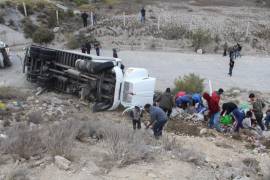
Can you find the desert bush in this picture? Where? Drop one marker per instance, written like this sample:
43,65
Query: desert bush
23,141
43,35
252,164
60,138
12,93
191,83
169,143
87,7
28,27
17,173
173,32
200,39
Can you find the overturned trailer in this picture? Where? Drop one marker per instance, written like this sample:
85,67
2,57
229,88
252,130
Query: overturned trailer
100,80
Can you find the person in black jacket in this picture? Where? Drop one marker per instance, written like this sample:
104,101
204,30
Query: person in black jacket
97,47
84,16
83,48
143,15
231,65
115,53
88,47
227,108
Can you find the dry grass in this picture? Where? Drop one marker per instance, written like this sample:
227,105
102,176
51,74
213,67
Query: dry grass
60,138
23,141
190,83
17,173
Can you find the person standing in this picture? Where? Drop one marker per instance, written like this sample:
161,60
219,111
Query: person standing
225,48
257,109
231,65
158,118
214,113
166,102
115,53
84,16
88,47
136,115
83,48
143,15
97,47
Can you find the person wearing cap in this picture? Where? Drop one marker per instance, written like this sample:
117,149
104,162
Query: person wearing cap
166,102
216,95
136,115
158,118
257,109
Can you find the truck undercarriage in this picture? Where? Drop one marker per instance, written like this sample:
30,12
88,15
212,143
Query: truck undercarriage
73,73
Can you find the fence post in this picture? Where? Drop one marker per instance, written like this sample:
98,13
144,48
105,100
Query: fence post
57,18
190,23
92,18
24,8
158,23
124,17
247,31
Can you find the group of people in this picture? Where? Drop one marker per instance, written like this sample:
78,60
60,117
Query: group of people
234,52
229,117
86,47
85,16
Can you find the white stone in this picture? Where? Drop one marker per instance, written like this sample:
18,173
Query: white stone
199,51
62,163
203,131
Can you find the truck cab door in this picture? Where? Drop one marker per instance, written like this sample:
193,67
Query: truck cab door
137,88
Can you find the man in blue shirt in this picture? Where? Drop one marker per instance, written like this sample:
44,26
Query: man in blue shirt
158,116
183,101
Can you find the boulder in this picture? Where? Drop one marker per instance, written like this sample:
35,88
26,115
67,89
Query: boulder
203,131
62,163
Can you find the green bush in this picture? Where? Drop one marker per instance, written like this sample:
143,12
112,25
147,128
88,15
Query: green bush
191,83
200,39
28,27
43,35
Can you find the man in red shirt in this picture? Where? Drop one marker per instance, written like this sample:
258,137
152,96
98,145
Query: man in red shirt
214,113
216,94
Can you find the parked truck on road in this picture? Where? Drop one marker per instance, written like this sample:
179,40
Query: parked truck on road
100,80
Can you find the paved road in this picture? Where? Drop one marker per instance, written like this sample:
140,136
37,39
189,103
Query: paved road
250,72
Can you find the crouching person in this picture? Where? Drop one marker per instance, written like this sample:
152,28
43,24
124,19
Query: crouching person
158,118
238,116
136,115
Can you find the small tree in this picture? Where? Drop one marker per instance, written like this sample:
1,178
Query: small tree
200,39
191,83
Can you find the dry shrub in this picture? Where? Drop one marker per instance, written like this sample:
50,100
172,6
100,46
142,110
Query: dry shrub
191,83
17,173
12,93
252,164
60,138
126,146
173,32
263,33
23,141
75,41
2,19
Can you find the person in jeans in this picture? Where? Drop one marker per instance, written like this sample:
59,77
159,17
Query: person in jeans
158,118
166,102
136,115
239,116
143,15
214,113
267,118
257,109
